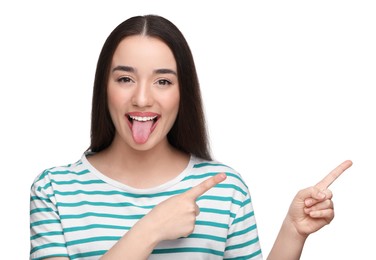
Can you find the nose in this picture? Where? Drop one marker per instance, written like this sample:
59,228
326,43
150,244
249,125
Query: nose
142,95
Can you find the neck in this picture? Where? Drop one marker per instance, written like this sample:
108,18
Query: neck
140,168
123,155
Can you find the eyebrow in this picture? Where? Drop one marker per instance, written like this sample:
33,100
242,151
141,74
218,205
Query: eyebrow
165,71
131,69
124,68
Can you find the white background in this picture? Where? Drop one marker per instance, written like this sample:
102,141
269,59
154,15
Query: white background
288,88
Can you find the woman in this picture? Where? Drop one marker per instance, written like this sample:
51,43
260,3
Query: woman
147,187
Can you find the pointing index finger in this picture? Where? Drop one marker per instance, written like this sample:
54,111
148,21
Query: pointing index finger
333,175
206,185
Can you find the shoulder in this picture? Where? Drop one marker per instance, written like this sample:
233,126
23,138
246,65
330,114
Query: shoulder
214,166
234,181
59,173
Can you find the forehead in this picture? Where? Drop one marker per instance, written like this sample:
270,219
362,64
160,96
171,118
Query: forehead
140,50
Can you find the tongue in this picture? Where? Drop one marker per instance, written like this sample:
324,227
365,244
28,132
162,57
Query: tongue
141,131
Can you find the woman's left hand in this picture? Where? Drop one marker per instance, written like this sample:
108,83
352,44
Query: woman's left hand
312,208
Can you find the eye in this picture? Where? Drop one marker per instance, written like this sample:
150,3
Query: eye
164,82
124,80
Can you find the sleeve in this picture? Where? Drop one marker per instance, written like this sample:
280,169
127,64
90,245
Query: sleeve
242,240
46,232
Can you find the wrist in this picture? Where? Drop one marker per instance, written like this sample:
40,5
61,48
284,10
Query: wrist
145,230
137,243
289,228
289,243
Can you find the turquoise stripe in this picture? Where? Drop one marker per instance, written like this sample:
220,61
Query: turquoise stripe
44,173
219,198
208,237
252,241
41,210
200,176
46,234
231,186
69,172
127,204
218,211
47,246
70,182
50,195
78,182
49,256
44,187
101,215
33,198
187,250
246,202
258,252
43,222
242,232
100,204
126,194
50,171
93,239
209,174
250,214
93,226
211,224
88,254
199,165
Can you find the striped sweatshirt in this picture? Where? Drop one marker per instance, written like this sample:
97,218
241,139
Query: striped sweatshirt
80,213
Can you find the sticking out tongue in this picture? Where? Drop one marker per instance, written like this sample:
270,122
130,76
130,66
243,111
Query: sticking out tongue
141,131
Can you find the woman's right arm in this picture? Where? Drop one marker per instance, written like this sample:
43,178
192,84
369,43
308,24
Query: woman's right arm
137,243
171,219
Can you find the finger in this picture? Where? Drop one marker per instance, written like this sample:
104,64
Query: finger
326,214
333,175
318,196
206,185
326,204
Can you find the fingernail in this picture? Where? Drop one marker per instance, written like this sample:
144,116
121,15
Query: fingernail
222,176
308,202
321,195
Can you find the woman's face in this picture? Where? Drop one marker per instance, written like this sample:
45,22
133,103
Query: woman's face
143,92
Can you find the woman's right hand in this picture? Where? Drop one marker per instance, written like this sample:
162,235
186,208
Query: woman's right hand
176,216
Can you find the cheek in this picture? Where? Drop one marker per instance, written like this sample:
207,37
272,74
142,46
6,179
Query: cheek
173,103
115,99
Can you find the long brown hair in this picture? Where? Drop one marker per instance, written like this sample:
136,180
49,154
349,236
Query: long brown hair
189,133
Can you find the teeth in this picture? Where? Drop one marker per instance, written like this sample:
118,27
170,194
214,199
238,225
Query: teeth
143,118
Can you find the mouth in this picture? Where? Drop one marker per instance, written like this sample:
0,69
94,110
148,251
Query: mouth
142,125
132,118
